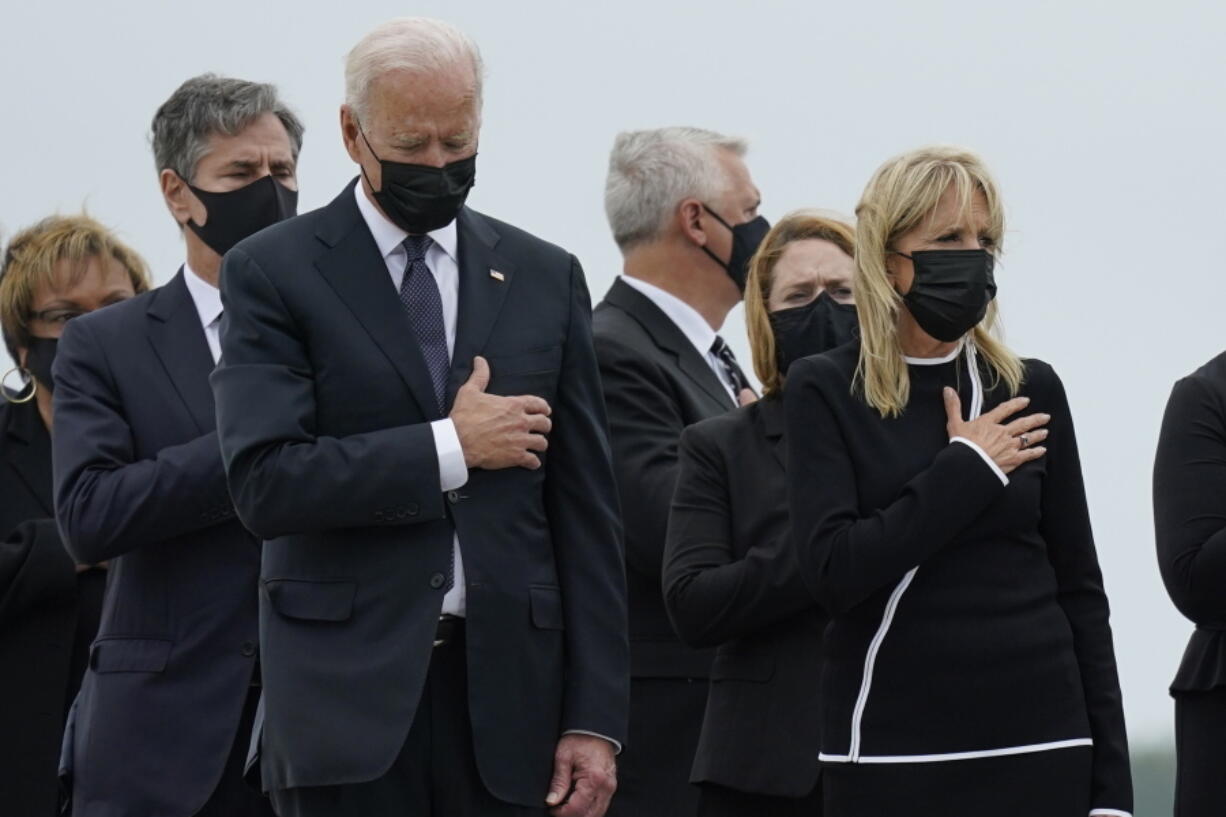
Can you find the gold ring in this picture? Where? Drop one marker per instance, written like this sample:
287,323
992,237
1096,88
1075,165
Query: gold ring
33,386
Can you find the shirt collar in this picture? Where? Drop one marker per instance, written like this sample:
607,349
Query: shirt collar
205,296
388,236
693,325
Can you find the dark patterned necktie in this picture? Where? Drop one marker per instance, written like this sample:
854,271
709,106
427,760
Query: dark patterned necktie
419,294
735,375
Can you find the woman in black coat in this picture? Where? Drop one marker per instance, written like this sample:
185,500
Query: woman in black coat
1190,523
969,666
730,573
49,607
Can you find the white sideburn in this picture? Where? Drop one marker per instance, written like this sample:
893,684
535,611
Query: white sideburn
887,617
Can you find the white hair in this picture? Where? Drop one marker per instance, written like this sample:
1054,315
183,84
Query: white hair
652,171
414,44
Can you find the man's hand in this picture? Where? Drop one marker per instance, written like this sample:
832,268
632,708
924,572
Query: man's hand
746,397
498,432
584,777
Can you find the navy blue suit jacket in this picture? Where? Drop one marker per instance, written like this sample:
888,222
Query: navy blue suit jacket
139,482
324,404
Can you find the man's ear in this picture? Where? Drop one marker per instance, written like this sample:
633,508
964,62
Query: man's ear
349,132
177,195
689,219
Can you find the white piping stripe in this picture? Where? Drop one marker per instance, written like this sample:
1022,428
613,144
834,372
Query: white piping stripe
940,758
870,658
984,455
1109,812
935,361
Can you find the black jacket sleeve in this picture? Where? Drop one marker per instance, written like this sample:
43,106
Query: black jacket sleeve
644,426
284,477
1190,501
35,570
107,500
711,595
848,553
585,524
1065,527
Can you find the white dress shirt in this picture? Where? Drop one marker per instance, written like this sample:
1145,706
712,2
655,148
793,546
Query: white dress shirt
693,325
441,259
207,299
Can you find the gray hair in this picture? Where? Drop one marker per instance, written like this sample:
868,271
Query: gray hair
210,104
413,44
652,171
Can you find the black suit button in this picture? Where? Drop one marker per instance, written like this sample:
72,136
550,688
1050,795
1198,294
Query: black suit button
437,580
248,649
453,497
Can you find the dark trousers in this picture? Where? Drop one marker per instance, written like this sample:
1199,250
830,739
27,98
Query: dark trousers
653,773
234,797
718,801
1200,736
435,774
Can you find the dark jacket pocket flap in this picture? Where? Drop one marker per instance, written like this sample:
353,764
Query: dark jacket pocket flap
537,360
312,600
743,666
546,603
130,654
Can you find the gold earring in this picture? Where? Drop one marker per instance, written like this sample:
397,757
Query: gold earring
33,386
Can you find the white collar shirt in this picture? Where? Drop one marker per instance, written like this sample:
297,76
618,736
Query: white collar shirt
207,299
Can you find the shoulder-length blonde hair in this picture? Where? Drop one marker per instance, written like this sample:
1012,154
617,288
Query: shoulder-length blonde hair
902,193
795,226
31,259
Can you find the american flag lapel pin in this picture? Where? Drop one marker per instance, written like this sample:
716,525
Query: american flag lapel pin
497,276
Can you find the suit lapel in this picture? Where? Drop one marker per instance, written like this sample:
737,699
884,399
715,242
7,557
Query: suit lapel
353,267
482,294
668,336
178,342
29,453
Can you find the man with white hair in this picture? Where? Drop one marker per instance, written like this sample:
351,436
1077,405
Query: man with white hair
410,415
684,212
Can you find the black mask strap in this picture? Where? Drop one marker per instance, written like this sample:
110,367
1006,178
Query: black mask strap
723,264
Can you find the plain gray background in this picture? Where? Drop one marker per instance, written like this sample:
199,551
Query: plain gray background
1103,121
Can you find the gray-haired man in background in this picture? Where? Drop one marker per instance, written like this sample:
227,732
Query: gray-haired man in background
162,723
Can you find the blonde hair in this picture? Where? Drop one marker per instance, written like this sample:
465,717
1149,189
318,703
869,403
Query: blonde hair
902,193
31,258
795,226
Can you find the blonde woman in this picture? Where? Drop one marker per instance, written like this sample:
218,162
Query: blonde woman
730,575
940,519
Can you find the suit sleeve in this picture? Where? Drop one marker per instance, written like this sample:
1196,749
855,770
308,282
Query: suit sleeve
1190,501
1065,527
108,500
584,519
711,595
35,570
285,477
848,553
645,426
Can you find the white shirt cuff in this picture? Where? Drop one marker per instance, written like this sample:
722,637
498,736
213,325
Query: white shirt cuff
991,462
617,747
1109,812
452,470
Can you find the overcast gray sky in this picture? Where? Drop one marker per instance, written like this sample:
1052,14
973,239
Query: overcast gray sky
1104,121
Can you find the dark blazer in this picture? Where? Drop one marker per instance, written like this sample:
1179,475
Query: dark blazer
324,405
655,384
47,614
1190,519
139,481
731,579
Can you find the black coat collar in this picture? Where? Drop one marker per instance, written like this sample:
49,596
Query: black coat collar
668,336
27,449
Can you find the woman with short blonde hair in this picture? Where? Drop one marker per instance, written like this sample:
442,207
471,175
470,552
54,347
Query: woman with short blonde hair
970,667
730,576
61,267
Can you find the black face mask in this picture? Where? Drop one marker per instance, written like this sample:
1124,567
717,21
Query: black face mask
818,326
40,354
746,238
243,212
951,290
419,198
